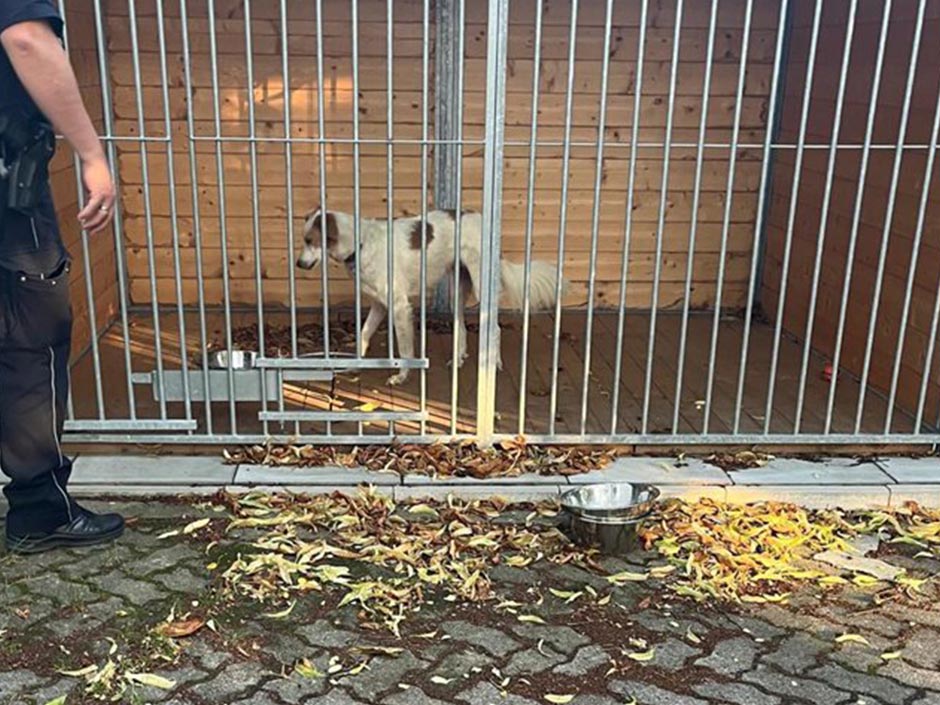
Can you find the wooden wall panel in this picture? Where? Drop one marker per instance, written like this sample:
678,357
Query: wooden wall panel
807,226
268,97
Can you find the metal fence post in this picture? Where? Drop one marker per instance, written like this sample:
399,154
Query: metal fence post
494,134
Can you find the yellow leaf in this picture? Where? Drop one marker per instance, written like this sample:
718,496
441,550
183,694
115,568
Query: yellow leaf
891,655
80,673
627,577
855,638
564,595
283,613
692,636
643,656
58,701
195,526
151,679
440,680
530,618
604,600
308,670
559,699
423,510
368,406
168,534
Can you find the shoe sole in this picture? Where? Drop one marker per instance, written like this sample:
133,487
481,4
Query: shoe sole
26,547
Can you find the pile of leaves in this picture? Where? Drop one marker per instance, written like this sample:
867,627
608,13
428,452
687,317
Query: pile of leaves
317,543
762,552
507,459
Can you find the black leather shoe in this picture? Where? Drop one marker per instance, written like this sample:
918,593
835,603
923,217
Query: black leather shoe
86,529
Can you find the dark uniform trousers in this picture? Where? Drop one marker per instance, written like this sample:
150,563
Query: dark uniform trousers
35,336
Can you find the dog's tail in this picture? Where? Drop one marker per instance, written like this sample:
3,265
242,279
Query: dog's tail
543,281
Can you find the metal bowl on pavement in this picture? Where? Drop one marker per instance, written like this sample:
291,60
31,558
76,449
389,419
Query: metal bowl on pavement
608,516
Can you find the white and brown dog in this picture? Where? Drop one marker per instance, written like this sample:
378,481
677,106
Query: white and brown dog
408,234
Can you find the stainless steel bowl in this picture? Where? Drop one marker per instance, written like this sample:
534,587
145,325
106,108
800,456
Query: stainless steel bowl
610,501
241,359
612,536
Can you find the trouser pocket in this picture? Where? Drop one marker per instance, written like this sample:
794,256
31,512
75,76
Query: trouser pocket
39,310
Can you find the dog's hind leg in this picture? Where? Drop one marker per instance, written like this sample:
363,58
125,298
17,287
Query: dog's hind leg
463,293
376,314
405,334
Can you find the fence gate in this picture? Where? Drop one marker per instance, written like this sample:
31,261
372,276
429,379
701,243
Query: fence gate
678,222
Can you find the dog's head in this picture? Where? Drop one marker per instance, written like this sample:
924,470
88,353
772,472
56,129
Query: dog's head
336,247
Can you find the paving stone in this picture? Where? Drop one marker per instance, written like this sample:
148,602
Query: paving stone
794,471
587,659
797,652
268,475
323,634
672,654
286,648
167,557
791,687
296,689
145,470
384,674
882,688
796,621
17,684
257,699
488,694
649,694
135,592
207,656
658,471
929,679
924,471
922,648
563,639
737,693
928,699
757,627
232,681
512,493
182,580
731,656
924,495
532,661
462,663
491,640
412,696
46,693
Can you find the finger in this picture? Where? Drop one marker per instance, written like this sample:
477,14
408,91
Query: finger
91,209
108,217
98,219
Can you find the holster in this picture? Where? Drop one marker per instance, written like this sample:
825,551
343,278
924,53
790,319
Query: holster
26,148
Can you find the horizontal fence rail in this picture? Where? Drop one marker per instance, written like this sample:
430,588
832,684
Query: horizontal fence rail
632,221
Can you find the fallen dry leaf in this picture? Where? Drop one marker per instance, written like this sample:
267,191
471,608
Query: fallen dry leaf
177,630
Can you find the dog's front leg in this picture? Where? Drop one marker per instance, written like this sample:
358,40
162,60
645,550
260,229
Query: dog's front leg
376,314
405,334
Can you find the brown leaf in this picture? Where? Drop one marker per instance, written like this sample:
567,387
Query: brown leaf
177,630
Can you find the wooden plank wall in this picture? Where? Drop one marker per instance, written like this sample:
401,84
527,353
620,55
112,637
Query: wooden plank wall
83,54
809,197
268,95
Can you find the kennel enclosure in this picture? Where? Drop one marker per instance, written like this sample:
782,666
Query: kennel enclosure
741,195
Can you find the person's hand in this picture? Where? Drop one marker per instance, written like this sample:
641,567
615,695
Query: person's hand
99,187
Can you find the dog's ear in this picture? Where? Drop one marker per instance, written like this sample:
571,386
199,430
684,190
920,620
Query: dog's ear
332,229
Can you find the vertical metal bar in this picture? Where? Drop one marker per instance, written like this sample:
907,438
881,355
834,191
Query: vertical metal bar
255,206
780,51
824,213
86,266
912,271
628,225
661,223
425,60
596,214
529,216
289,178
889,215
791,217
458,219
857,214
357,214
223,227
696,195
174,215
197,220
148,208
726,218
563,220
119,254
390,170
497,33
321,133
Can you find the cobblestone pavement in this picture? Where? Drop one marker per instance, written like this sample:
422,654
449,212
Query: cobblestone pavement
65,611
